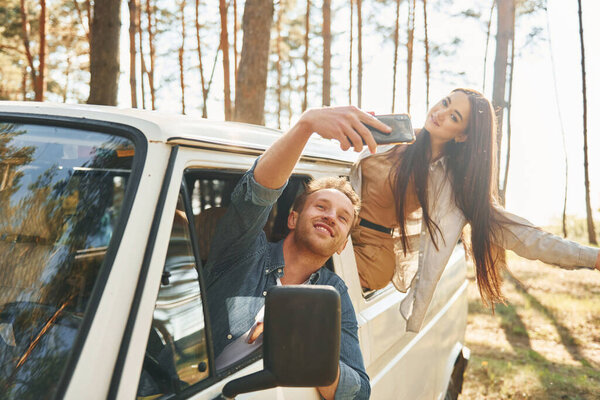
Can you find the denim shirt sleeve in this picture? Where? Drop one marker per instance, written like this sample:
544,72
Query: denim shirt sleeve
354,381
243,222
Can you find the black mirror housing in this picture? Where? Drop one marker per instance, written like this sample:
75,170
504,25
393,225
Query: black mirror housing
301,344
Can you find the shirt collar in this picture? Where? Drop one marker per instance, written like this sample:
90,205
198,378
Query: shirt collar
440,162
276,263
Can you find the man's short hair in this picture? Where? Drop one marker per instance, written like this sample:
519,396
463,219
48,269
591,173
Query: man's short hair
330,182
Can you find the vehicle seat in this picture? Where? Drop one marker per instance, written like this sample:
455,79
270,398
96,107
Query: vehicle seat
206,224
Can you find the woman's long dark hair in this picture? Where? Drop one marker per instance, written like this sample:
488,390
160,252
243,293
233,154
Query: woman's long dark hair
471,166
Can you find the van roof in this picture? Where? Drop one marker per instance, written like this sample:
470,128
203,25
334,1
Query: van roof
179,129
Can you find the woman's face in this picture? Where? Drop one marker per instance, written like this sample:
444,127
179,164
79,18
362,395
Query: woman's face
447,120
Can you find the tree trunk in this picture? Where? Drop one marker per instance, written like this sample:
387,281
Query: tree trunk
25,33
200,66
487,43
409,50
104,53
40,85
149,13
235,41
505,12
427,66
24,84
562,127
90,18
588,207
305,58
360,63
225,50
181,54
395,63
279,61
132,52
67,73
326,52
351,49
80,16
212,75
508,119
252,73
143,70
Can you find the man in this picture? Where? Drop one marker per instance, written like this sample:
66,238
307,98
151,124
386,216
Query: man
242,265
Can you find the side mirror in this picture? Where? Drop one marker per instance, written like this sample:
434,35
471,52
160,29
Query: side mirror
301,344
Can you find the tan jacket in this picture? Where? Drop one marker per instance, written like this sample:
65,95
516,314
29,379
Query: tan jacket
524,239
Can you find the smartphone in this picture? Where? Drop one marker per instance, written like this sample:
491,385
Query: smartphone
402,131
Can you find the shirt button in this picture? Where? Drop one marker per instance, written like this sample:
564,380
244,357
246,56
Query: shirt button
266,271
265,293
423,233
229,336
279,270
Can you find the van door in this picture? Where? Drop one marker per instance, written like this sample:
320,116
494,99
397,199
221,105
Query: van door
171,352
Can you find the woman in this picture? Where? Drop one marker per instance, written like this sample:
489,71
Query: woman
447,177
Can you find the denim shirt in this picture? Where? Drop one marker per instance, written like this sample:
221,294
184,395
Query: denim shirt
242,265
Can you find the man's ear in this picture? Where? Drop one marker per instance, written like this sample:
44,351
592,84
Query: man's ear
342,247
292,220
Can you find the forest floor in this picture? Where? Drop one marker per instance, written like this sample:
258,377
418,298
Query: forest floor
544,343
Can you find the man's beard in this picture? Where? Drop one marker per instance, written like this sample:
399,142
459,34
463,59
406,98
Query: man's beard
306,237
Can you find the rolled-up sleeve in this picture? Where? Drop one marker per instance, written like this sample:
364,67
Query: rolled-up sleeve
525,239
243,221
349,384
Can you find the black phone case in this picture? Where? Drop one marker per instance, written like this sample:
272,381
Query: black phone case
402,131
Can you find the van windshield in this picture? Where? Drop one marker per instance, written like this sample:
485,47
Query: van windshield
61,195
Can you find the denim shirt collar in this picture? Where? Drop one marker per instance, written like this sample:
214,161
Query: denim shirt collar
276,263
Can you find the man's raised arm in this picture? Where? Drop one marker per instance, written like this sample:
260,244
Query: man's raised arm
344,124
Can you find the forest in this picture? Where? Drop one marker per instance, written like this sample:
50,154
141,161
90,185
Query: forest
265,61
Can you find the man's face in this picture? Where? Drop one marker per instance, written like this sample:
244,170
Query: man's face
324,222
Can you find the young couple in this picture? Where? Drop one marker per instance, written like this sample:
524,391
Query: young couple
447,174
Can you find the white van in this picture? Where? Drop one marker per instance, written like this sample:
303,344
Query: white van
100,278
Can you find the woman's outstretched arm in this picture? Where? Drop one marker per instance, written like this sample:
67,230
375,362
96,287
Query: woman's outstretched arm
525,239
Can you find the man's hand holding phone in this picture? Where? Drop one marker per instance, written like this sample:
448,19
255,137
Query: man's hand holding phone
347,125
355,128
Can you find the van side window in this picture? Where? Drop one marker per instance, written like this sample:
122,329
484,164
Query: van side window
210,196
176,354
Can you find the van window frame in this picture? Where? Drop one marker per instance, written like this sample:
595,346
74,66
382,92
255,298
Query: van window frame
208,380
141,149
256,355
